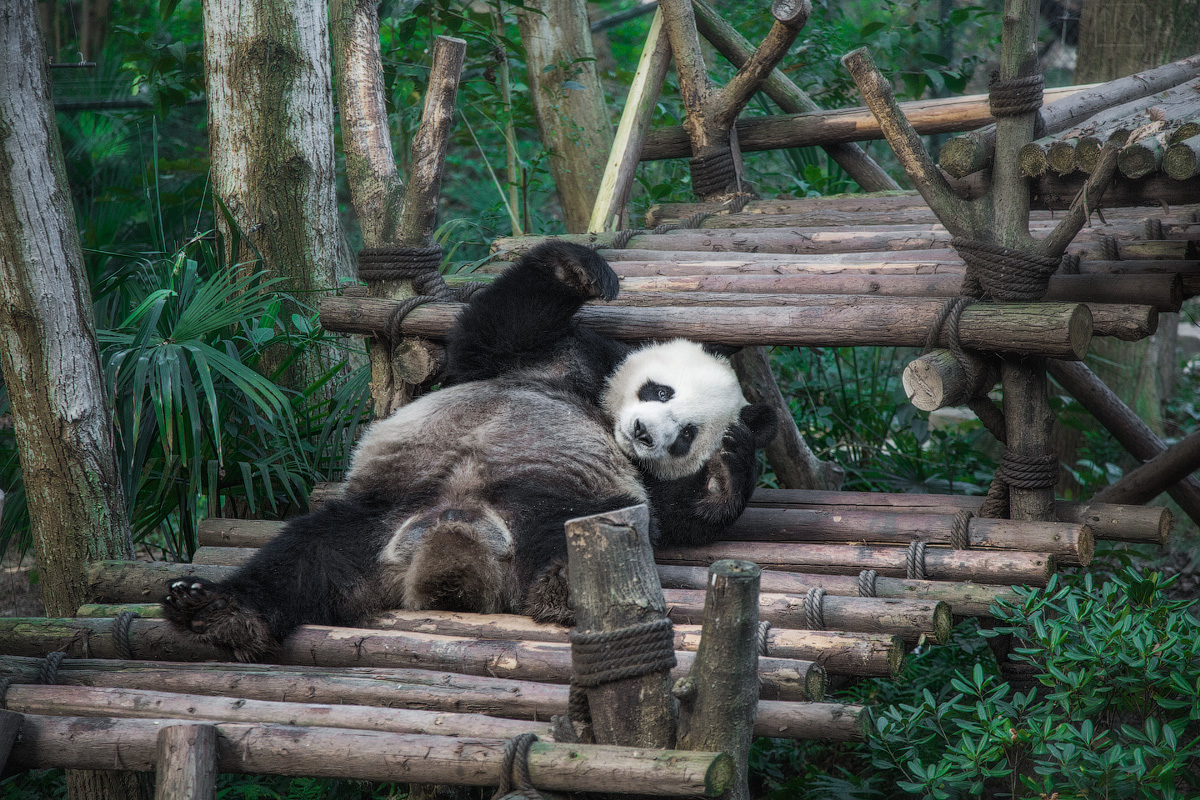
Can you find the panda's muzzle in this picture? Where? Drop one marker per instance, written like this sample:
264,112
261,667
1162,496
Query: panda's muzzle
641,434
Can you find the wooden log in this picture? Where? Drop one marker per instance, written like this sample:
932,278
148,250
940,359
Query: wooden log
1120,523
640,104
936,380
1138,159
327,646
1155,476
718,698
1058,330
1129,430
186,762
398,688
962,155
86,701
993,566
1182,160
822,128
789,97
89,743
10,727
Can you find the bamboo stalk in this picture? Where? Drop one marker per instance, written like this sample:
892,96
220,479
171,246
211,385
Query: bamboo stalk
90,743
399,688
1053,329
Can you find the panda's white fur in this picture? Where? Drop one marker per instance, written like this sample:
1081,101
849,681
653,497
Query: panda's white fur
704,393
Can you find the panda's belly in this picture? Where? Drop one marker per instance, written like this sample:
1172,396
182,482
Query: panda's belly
471,441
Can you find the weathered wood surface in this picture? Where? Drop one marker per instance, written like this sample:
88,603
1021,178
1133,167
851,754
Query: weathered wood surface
1058,330
613,586
1121,523
398,688
718,699
991,566
186,761
327,646
962,155
1141,485
90,743
1128,429
86,701
820,128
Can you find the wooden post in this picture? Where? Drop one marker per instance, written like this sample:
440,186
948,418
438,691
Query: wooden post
1158,474
719,697
609,211
10,726
614,585
187,763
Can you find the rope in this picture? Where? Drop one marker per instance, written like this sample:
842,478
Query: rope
607,656
1016,96
914,561
1108,249
866,583
48,669
120,634
516,759
763,638
990,415
960,532
1037,471
4,684
1070,264
814,609
712,173
403,262
1002,273
1154,228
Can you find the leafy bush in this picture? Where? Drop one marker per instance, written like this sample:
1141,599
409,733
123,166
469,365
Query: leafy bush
1114,710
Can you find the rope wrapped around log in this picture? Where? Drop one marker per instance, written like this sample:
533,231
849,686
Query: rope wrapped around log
814,608
416,264
914,562
608,656
1016,96
1002,273
866,583
47,674
960,533
712,172
516,765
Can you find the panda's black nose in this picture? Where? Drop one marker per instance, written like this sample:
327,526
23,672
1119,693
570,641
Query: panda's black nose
641,434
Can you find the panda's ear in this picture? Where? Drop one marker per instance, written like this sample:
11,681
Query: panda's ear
762,421
723,350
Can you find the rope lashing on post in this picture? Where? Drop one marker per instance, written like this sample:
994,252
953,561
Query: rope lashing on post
416,264
914,561
1002,273
607,656
763,637
960,532
712,172
866,583
1070,264
1108,248
1016,96
47,675
120,634
814,608
515,770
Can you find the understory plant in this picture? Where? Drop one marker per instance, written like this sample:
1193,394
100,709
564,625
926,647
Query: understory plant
1111,710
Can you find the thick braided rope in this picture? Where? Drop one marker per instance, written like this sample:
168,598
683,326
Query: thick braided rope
404,263
814,608
1015,96
120,634
1108,249
866,583
516,755
1030,471
914,561
763,638
1070,264
4,684
1003,273
607,656
48,669
1154,228
712,173
960,532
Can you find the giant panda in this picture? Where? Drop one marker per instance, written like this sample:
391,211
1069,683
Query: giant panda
457,500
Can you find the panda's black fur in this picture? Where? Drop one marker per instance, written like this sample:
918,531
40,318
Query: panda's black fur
457,501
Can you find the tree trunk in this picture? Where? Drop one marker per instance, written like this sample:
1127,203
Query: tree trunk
568,101
48,351
270,119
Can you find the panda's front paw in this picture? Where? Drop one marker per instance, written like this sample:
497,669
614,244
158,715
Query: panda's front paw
579,268
203,608
186,599
548,597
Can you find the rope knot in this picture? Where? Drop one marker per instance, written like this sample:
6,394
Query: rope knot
608,656
1014,97
712,172
1003,273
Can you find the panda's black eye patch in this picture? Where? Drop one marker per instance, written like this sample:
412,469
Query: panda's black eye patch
683,442
652,392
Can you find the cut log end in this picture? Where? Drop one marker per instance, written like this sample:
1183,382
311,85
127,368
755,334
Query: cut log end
720,776
942,622
1182,160
1060,157
962,155
1079,331
1032,160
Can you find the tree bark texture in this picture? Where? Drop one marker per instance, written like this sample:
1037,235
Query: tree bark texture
1120,37
47,335
186,762
270,126
574,122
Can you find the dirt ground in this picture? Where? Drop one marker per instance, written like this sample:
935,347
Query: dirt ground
19,597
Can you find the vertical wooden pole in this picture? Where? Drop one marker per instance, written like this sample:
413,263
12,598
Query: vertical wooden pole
720,695
614,584
187,763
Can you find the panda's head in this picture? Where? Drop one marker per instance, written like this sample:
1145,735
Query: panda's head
670,405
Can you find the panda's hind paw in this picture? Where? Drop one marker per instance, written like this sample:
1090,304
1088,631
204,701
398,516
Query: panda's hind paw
583,271
548,597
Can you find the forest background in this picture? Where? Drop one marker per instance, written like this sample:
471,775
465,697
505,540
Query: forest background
210,424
